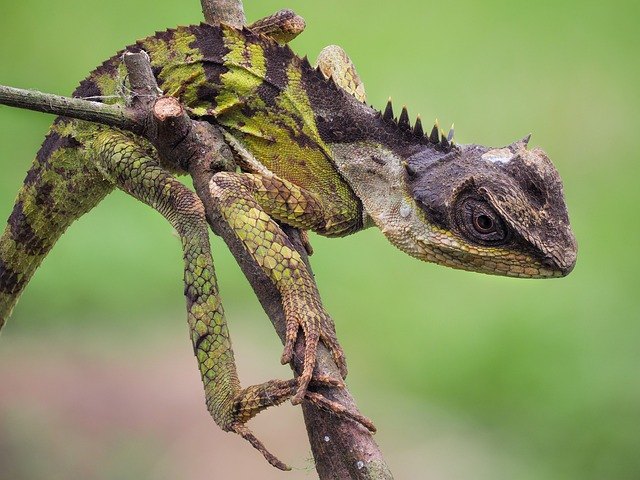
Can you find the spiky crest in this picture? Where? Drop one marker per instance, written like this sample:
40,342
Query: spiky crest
404,123
388,111
417,129
436,137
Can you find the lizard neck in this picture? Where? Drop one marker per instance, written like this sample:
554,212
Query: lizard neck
377,176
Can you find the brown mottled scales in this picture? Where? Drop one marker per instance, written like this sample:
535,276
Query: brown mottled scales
311,155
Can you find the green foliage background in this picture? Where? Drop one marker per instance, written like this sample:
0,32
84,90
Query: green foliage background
545,372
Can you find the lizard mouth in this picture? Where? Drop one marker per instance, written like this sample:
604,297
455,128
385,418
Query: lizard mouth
507,264
563,264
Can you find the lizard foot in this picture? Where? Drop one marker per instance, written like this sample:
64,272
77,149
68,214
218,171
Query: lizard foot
252,400
337,408
315,325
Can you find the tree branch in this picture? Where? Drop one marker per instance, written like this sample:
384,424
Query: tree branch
230,12
342,448
112,115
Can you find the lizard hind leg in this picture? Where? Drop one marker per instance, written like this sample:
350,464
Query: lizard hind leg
129,166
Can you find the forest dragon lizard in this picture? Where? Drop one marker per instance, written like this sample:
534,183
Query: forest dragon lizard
310,154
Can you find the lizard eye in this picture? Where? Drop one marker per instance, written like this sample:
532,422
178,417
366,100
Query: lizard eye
483,223
479,222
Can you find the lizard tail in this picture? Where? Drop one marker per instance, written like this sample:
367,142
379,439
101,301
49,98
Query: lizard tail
63,184
60,187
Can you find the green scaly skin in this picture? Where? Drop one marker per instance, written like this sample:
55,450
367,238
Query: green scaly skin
312,155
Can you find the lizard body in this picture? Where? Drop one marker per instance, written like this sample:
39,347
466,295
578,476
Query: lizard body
311,154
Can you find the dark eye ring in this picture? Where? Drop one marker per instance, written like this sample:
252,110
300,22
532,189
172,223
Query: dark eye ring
479,222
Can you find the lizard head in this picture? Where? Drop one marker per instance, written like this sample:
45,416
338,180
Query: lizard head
499,211
491,210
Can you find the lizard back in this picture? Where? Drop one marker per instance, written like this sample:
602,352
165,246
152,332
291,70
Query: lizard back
261,94
254,88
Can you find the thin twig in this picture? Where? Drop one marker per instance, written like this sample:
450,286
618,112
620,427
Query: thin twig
112,115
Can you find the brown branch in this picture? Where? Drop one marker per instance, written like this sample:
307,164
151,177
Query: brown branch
142,83
112,115
342,449
230,12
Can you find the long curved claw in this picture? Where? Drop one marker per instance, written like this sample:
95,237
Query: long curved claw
242,430
339,409
310,353
326,381
290,340
254,399
329,338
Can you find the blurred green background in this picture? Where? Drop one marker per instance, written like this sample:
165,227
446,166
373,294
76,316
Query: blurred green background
466,376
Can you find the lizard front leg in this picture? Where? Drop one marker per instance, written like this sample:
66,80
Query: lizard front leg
250,203
130,167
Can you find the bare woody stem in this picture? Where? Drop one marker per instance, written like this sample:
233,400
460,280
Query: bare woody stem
341,448
230,12
112,115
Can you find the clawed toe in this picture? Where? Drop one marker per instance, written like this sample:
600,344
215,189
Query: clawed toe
242,430
290,341
301,391
341,410
326,404
326,381
328,337
252,400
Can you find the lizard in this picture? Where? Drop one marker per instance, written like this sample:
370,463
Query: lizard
311,154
